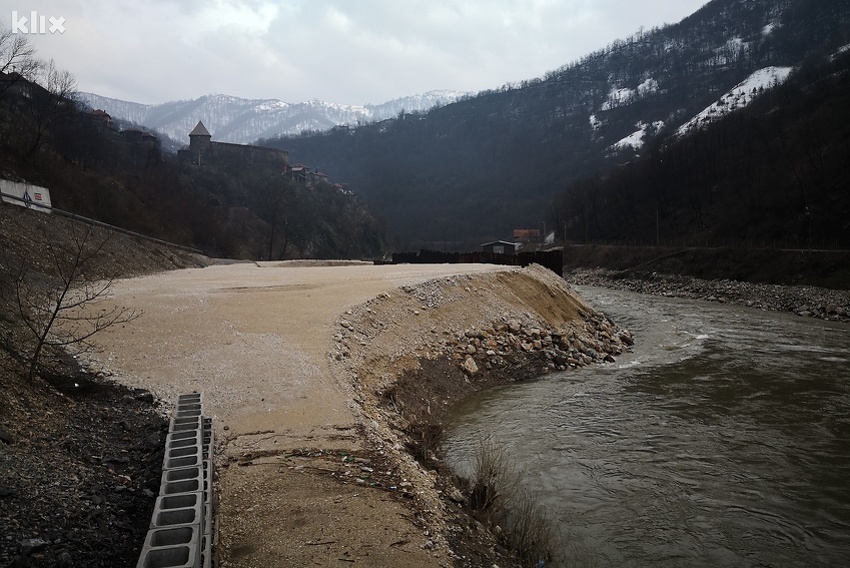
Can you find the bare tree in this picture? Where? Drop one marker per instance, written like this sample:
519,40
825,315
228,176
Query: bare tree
17,55
53,101
69,310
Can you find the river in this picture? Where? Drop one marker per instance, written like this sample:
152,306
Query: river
723,439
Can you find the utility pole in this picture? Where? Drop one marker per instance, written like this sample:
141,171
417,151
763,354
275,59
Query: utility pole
657,228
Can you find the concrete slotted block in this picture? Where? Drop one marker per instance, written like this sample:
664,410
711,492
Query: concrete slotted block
168,517
195,458
183,412
176,518
180,556
195,472
188,423
193,398
191,434
182,452
187,535
173,453
167,512
178,501
206,553
182,486
184,438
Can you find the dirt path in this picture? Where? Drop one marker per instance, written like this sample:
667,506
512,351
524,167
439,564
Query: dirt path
297,486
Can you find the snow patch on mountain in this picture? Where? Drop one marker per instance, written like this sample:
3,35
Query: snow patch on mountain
636,139
617,97
595,123
648,87
620,96
738,97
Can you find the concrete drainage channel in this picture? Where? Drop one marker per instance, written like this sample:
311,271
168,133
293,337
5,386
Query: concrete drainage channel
181,529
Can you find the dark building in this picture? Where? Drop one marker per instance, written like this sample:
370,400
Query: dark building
202,149
499,247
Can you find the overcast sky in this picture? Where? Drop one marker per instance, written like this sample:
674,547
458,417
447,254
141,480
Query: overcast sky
343,51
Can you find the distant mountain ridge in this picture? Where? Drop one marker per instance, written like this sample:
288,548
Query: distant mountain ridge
243,121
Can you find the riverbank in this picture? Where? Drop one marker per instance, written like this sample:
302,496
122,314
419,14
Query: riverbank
414,353
788,267
804,301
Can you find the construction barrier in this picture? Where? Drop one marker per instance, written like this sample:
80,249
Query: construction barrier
553,260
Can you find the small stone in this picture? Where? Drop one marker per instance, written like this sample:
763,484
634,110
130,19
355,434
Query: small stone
6,437
456,496
65,560
145,397
31,545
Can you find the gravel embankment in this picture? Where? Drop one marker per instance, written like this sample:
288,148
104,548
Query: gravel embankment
805,301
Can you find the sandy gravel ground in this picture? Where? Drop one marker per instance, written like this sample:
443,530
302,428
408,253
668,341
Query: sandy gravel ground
255,339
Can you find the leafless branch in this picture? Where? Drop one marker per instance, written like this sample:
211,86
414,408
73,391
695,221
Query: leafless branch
72,311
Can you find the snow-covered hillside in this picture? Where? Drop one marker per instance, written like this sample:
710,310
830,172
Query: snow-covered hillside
738,97
233,119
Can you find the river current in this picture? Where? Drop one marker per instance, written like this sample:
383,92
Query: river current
723,439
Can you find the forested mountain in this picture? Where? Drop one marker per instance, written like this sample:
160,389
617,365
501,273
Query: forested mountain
774,174
234,203
476,169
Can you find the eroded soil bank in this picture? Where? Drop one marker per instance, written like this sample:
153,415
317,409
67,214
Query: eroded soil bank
413,353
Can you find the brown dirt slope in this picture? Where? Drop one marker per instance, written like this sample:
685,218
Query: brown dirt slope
79,455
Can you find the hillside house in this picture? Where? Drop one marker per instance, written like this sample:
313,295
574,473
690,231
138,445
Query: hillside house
527,236
100,119
136,135
298,172
500,247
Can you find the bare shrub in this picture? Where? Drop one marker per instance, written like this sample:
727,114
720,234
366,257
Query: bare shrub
497,497
494,477
55,298
529,530
424,440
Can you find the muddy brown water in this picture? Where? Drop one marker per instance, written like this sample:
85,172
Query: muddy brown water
722,440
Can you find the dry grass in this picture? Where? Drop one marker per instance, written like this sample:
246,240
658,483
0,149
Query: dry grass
499,499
